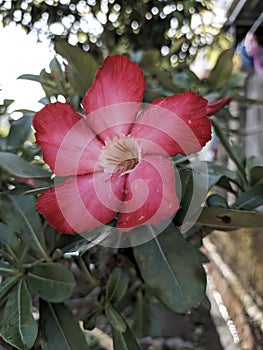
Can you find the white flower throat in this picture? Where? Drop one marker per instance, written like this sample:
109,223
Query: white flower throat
120,155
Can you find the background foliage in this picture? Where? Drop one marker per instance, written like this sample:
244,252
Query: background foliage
176,27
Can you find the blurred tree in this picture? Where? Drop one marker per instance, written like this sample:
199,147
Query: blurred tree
175,27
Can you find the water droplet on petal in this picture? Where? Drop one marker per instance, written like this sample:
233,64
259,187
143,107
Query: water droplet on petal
142,217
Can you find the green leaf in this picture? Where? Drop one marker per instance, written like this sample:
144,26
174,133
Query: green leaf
216,172
229,218
216,201
231,151
81,68
5,269
19,327
117,285
59,329
49,82
19,131
115,318
17,166
6,285
186,180
19,212
256,175
90,321
222,71
194,189
51,281
124,340
145,323
173,270
250,199
7,236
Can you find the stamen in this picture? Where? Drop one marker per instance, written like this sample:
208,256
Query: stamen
120,155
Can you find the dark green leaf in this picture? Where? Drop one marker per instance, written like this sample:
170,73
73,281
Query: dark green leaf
52,282
19,327
19,212
19,131
115,318
256,175
81,68
117,284
5,269
252,162
124,340
229,218
59,330
216,172
186,180
17,166
250,199
144,319
6,285
194,190
231,151
173,270
7,236
216,201
90,321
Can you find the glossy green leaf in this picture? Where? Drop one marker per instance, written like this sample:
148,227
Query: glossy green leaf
229,218
59,330
51,281
17,166
172,269
19,131
117,284
124,340
250,199
81,68
19,212
115,318
19,327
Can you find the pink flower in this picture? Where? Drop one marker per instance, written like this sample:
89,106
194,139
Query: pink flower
115,158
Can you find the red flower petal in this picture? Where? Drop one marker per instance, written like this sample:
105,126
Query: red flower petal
82,203
118,82
150,194
177,123
69,146
215,106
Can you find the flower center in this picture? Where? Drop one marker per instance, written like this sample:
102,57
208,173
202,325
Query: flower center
120,155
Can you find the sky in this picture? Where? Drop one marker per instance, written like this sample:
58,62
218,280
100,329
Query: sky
21,54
